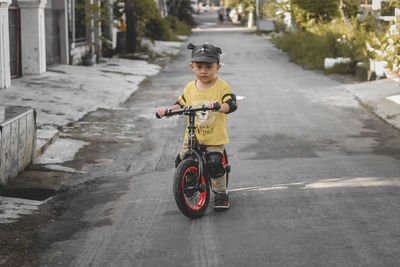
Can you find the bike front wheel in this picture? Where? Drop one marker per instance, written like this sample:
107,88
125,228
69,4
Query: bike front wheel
191,198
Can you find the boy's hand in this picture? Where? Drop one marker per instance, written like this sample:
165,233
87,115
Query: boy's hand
224,107
211,106
161,112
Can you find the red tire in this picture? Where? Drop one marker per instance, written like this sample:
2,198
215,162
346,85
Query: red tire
191,201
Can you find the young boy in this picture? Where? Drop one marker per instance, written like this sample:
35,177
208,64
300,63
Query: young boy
207,89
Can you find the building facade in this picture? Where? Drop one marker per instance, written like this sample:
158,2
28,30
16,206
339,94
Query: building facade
37,33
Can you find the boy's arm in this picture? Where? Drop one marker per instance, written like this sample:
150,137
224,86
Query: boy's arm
229,103
178,105
161,111
224,108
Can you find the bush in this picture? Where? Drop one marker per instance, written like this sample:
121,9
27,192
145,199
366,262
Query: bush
280,25
177,26
335,39
158,28
181,10
151,24
342,68
305,48
364,74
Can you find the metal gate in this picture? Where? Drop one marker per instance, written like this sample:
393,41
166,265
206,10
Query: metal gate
15,40
52,26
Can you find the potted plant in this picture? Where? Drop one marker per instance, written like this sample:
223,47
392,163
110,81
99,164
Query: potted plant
89,59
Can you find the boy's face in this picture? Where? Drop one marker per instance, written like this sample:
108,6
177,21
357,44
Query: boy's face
205,71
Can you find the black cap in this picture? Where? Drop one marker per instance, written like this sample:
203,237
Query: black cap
204,53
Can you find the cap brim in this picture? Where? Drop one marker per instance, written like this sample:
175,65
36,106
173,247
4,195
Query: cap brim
204,59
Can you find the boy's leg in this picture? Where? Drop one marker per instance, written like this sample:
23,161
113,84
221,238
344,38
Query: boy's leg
218,184
184,149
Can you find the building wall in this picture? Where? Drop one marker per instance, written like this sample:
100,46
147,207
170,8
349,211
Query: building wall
5,78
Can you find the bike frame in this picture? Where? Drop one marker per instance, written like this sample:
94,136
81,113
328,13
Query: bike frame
193,150
191,193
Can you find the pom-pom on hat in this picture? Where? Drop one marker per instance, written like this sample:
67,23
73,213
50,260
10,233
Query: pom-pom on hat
204,53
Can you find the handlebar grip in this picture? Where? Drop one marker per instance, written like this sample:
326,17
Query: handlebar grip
217,106
158,116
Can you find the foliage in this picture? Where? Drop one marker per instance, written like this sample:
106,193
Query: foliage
322,11
386,47
305,48
158,29
305,13
341,68
96,14
177,26
329,29
151,24
335,39
181,10
351,8
267,9
118,9
246,4
147,15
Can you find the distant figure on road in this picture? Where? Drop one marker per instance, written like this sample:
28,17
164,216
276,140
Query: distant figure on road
228,11
234,15
221,12
207,89
240,12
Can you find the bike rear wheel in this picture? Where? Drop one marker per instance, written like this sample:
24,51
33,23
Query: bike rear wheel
190,198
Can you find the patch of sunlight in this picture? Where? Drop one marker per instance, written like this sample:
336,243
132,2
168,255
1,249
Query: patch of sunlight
299,183
258,188
353,182
394,98
272,188
326,183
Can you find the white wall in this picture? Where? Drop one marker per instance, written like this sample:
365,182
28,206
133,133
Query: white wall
33,38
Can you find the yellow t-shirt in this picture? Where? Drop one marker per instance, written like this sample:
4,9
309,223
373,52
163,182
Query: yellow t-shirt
210,126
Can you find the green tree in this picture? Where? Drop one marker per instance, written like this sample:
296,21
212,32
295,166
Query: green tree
246,4
305,12
319,10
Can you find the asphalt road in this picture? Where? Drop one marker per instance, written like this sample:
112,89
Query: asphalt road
314,181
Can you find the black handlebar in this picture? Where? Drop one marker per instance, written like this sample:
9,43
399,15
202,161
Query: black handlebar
189,110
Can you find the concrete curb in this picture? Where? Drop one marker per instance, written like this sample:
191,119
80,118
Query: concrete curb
45,138
377,97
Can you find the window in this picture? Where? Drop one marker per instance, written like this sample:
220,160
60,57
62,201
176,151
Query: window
80,21
387,9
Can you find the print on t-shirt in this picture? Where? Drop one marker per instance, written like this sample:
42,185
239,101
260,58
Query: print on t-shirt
204,119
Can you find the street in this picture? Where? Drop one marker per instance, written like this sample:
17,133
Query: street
314,182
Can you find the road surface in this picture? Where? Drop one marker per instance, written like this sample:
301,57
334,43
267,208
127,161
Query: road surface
314,181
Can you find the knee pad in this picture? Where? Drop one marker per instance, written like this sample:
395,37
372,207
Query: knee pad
214,164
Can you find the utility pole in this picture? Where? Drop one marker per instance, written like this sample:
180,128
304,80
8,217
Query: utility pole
257,10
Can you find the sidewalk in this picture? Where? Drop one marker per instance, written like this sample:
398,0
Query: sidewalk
381,97
65,93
